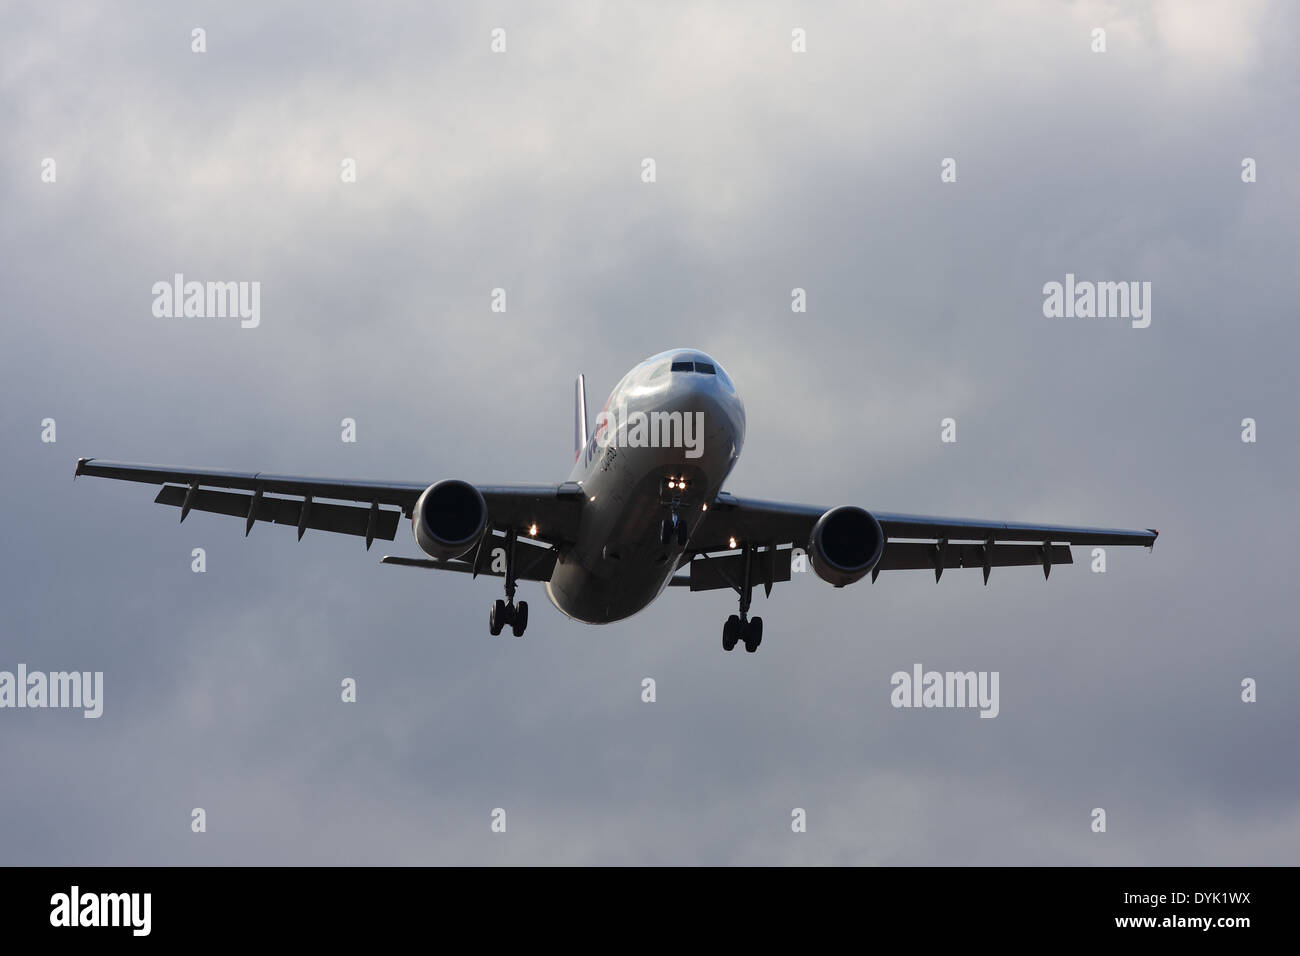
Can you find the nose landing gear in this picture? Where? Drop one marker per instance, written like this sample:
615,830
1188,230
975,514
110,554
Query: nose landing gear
506,612
674,525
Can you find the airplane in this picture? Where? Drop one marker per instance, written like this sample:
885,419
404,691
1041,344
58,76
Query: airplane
643,509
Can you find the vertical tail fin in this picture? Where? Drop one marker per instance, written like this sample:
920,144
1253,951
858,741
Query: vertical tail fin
579,416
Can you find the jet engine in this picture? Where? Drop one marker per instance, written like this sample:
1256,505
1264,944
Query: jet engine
448,519
846,543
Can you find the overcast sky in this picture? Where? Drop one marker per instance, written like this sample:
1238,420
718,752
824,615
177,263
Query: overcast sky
775,169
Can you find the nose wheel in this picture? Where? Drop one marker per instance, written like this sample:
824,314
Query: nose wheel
507,613
675,526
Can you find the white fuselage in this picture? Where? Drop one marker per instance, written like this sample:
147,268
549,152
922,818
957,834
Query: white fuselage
658,425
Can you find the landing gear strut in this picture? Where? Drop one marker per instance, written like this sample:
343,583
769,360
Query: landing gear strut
741,627
675,524
507,612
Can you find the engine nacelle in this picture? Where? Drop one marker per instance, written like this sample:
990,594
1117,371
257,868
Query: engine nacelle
846,543
448,519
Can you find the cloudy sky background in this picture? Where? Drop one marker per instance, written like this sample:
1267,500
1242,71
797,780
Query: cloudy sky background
775,170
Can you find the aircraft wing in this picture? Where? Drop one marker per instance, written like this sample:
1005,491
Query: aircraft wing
779,522
912,541
374,511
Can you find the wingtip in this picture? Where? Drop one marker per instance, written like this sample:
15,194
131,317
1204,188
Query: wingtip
81,464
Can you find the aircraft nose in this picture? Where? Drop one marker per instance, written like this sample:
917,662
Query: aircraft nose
723,419
707,398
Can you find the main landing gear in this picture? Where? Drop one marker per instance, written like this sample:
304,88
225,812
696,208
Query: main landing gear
507,612
741,627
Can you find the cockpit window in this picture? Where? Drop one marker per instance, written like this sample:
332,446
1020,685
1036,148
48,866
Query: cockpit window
660,371
703,368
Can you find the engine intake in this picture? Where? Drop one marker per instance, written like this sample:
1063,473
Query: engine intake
845,544
448,519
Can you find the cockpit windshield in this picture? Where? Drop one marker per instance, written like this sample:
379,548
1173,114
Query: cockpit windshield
679,363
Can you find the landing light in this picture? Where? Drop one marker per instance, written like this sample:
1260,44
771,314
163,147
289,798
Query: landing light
706,506
532,531
732,543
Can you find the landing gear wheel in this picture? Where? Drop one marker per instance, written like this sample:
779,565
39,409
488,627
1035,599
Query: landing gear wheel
683,533
753,634
498,617
730,633
507,612
666,530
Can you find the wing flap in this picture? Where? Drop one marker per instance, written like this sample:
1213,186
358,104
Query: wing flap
915,555
532,562
342,519
767,567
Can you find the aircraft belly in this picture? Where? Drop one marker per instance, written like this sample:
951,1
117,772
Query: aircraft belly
619,564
